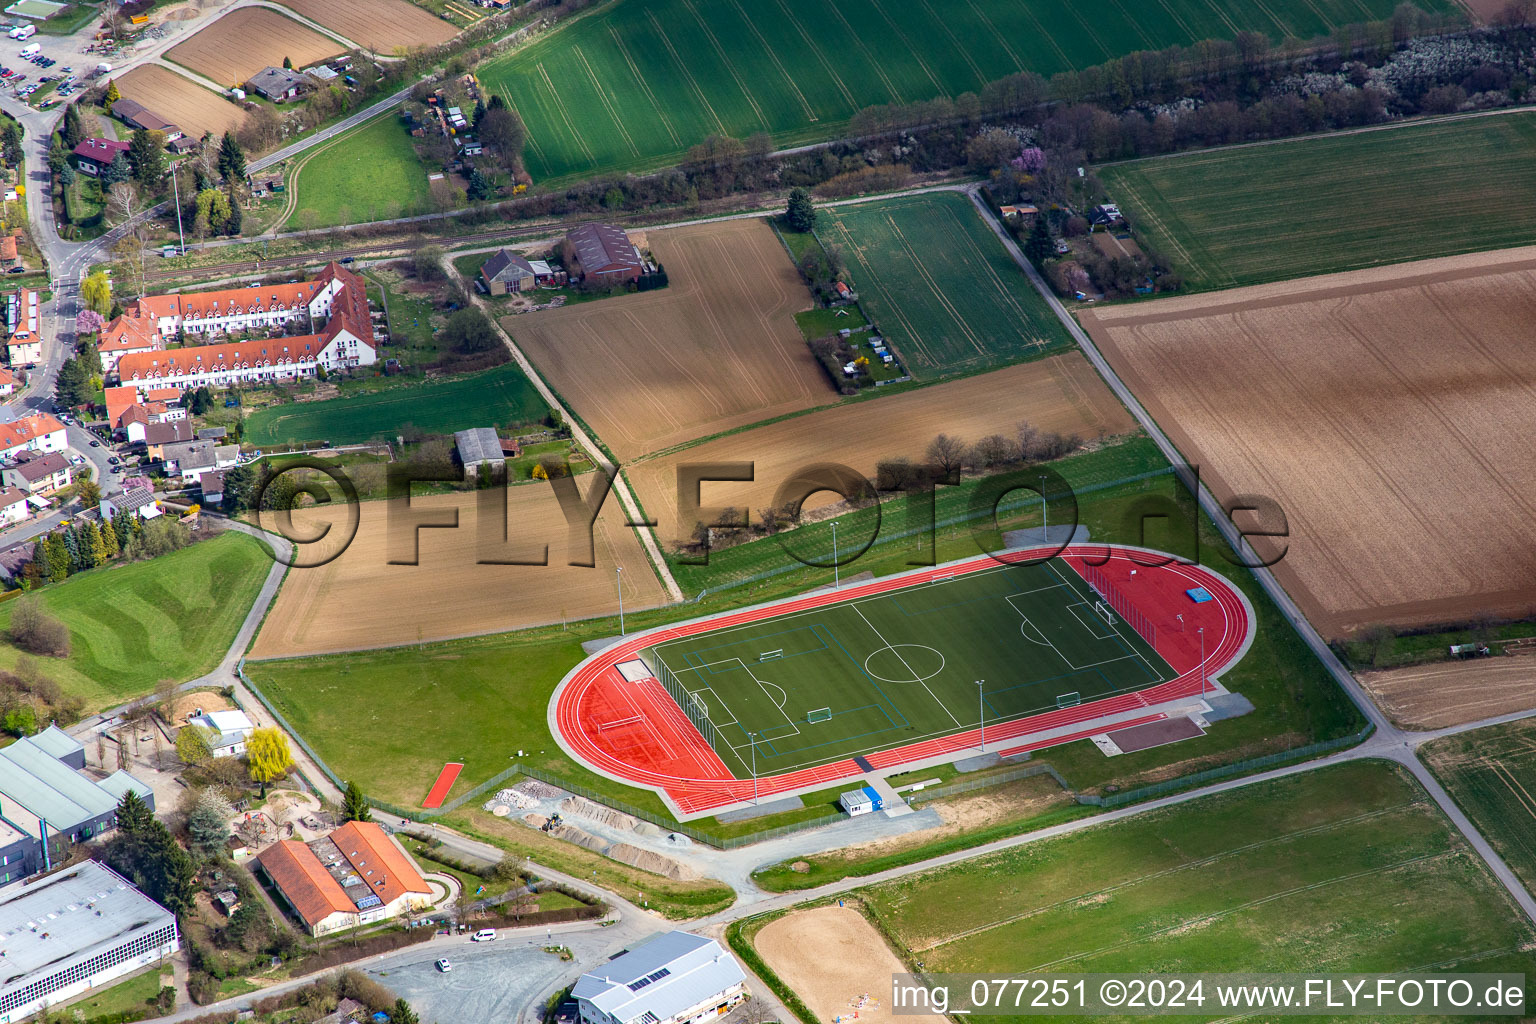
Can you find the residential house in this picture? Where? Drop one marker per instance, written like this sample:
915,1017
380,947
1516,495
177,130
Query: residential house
183,144
356,875
36,473
13,506
158,435
10,253
7,382
93,155
24,344
132,332
278,84
674,978
226,731
139,501
135,115
191,459
212,486
507,272
336,299
40,432
601,253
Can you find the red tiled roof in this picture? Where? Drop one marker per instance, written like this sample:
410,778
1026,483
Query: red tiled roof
26,429
118,401
386,870
304,882
101,151
128,332
163,395
211,358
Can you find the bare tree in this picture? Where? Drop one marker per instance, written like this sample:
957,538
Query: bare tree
948,453
895,474
122,201
992,451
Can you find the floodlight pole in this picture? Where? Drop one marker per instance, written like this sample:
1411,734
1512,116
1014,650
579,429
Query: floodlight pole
753,737
835,575
1202,661
981,706
1045,512
618,576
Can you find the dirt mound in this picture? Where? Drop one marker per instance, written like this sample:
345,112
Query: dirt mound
647,860
536,820
581,807
571,834
538,790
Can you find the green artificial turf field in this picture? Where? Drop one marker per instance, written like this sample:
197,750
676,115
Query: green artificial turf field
132,625
1272,212
940,285
643,80
1336,870
501,396
370,173
900,667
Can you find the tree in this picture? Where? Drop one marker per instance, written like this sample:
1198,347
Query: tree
96,292
74,383
480,185
354,806
113,95
231,158
73,130
214,210
208,823
88,491
67,175
192,745
1039,247
401,1013
947,453
427,261
116,172
239,489
268,756
503,133
35,631
146,153
287,63
133,816
468,330
801,214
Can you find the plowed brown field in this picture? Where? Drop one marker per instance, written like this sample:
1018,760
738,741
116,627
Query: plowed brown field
359,600
1060,393
383,26
1388,411
1454,692
181,101
241,43
717,349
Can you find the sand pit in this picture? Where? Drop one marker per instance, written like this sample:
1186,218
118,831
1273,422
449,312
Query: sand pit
1060,393
835,961
1385,410
1454,692
360,600
716,349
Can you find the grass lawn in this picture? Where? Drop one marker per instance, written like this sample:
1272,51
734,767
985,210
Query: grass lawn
133,625
370,173
1344,869
640,82
500,396
131,996
1491,774
818,323
411,324
940,285
1252,214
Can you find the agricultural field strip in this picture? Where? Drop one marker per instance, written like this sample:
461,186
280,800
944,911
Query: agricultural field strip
1203,862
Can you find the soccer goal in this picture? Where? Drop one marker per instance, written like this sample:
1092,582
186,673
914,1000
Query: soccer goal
819,715
1105,612
771,655
1069,700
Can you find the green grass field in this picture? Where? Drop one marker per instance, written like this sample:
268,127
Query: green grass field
1342,869
1260,213
940,285
501,396
901,667
1491,773
370,173
136,624
640,82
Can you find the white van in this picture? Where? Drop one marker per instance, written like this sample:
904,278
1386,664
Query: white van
24,32
484,935
31,48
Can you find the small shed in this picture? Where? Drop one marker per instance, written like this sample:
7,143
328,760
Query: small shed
860,801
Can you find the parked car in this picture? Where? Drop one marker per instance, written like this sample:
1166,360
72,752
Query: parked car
95,443
484,935
444,966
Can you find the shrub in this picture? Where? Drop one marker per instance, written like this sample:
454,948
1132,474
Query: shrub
34,630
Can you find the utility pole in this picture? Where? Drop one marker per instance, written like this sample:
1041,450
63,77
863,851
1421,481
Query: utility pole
176,187
981,706
1045,512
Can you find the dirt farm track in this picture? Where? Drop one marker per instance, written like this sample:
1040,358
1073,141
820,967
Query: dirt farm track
383,26
189,106
716,349
359,600
241,43
1386,410
1058,393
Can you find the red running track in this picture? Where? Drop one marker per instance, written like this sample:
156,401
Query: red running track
635,732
